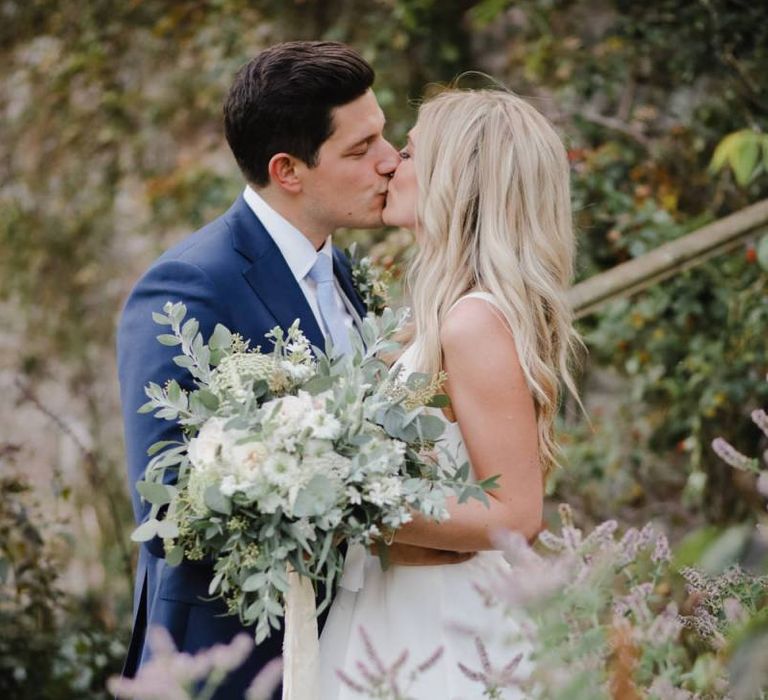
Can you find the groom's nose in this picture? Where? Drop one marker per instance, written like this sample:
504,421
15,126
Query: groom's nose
389,161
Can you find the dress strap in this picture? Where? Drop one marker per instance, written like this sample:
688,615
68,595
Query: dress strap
487,296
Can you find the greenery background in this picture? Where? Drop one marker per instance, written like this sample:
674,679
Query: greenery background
112,149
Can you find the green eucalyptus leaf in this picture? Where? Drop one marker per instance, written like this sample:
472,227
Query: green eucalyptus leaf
174,556
439,401
174,391
207,399
214,584
157,494
189,329
431,427
272,606
155,447
217,501
393,421
316,498
167,529
317,385
221,338
145,532
168,339
254,582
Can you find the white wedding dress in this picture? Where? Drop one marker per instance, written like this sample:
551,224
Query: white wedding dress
418,608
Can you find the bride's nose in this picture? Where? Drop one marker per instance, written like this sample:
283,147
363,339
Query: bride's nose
389,161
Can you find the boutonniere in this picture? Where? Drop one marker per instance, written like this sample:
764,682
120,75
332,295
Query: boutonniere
370,281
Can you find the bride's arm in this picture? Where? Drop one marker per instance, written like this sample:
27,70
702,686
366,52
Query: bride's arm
494,407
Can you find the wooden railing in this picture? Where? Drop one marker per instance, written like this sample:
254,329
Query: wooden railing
669,259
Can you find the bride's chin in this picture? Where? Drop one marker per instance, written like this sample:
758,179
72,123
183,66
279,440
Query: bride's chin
387,217
390,217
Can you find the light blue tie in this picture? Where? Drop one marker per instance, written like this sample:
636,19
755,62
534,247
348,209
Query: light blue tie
322,274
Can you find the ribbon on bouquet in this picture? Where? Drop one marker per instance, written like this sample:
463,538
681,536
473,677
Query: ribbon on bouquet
301,648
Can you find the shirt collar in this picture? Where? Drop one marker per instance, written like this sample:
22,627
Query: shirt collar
294,246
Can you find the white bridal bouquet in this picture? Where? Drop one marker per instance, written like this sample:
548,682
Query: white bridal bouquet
287,452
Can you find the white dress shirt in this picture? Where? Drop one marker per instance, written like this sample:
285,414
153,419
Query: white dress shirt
300,255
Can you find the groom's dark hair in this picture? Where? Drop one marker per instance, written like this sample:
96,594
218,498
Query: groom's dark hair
281,101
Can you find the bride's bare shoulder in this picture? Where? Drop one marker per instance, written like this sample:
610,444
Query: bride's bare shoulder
474,319
479,349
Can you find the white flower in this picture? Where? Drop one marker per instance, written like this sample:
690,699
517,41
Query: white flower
205,448
291,408
247,458
316,448
381,456
330,464
282,472
229,485
384,492
324,426
298,373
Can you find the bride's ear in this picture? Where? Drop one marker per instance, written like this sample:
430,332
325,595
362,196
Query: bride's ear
283,172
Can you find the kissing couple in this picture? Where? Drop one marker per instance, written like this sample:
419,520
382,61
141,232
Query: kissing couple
483,182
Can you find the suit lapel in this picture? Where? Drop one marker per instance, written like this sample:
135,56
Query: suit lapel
269,275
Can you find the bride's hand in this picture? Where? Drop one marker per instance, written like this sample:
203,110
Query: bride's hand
412,555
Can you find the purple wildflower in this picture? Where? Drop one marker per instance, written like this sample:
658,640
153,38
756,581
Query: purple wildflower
169,674
491,678
730,455
661,553
666,627
381,680
762,483
760,419
266,680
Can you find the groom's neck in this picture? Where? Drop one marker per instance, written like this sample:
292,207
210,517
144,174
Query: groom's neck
290,209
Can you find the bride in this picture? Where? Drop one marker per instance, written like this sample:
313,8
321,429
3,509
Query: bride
484,184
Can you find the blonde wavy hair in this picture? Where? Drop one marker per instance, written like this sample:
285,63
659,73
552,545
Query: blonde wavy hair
494,215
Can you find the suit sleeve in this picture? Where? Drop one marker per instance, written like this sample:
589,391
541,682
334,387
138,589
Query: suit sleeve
142,359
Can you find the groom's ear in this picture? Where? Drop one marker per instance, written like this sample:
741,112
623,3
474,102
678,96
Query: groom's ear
284,172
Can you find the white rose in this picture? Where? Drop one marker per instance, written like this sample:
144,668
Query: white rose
247,458
205,448
292,409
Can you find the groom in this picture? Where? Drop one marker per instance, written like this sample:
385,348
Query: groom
307,132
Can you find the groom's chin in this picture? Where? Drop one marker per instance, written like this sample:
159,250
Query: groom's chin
374,220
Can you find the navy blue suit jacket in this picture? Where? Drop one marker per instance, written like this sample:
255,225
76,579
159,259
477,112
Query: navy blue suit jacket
229,272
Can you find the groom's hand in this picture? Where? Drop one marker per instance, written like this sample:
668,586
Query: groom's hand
412,555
